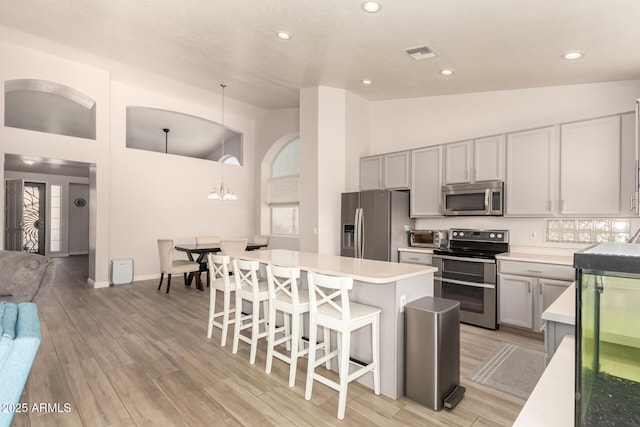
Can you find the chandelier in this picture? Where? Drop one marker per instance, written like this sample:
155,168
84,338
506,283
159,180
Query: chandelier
222,193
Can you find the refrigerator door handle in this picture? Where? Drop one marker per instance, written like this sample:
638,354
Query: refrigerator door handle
356,232
361,233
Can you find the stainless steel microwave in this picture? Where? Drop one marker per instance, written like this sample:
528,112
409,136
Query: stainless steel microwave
480,198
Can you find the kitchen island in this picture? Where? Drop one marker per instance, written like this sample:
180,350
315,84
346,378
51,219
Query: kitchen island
386,285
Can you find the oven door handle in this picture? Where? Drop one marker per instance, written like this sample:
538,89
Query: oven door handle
460,258
463,283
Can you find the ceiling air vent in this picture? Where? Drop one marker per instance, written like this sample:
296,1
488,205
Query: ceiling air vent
421,52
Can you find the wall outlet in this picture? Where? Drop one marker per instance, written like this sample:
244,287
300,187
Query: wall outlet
403,302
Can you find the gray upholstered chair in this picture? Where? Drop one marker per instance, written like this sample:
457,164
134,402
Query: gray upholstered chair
207,239
231,246
169,266
261,239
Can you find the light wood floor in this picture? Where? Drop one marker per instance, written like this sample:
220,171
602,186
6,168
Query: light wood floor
131,356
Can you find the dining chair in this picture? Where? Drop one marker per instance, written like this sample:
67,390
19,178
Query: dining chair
219,267
203,240
329,307
170,266
261,239
285,297
248,288
231,246
207,239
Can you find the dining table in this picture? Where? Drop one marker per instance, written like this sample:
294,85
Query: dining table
201,250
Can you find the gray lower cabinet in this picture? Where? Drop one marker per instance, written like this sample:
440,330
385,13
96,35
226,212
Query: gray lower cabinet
527,289
554,332
414,257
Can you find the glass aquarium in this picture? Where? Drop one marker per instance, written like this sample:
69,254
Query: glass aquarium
608,335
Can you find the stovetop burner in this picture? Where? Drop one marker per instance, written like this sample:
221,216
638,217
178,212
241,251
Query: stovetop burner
471,243
469,253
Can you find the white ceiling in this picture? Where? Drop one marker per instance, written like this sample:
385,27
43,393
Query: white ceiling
491,44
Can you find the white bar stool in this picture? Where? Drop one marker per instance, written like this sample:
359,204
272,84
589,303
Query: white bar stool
330,308
285,297
219,267
248,288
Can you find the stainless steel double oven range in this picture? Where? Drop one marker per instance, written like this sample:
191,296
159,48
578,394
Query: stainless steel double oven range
467,273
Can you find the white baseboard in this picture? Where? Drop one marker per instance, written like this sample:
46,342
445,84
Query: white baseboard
96,285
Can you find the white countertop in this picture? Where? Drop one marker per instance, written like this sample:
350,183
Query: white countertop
364,270
418,250
537,257
563,309
551,403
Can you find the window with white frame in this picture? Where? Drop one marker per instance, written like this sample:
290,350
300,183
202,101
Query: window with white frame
284,191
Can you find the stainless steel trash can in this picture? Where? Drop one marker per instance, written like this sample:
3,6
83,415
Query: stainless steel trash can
432,352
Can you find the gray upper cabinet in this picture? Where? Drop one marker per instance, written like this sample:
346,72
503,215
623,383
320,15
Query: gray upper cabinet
371,173
475,160
530,185
589,167
457,168
426,181
388,171
628,194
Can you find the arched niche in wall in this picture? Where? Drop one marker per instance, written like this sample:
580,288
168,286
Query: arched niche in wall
47,106
188,135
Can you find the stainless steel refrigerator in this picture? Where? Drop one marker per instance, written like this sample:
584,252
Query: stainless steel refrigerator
375,224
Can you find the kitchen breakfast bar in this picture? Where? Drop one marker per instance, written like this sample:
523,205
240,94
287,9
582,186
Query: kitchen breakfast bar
386,285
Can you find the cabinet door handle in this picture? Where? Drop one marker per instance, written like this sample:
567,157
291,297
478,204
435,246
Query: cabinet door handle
535,271
529,287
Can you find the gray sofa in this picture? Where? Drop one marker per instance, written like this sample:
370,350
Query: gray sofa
25,277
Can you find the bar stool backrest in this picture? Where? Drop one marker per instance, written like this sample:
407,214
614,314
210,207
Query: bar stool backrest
331,292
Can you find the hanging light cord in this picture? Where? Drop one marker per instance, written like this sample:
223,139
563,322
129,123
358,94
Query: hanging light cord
223,86
166,140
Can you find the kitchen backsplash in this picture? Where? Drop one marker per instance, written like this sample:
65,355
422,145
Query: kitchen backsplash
534,231
587,230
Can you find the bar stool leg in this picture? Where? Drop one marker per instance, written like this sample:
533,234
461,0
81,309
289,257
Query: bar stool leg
212,313
225,318
313,336
293,333
375,340
344,373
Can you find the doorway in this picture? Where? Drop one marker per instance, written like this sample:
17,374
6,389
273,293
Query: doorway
26,213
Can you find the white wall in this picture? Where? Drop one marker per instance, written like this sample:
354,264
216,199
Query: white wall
358,134
157,195
274,129
136,196
78,219
418,122
23,63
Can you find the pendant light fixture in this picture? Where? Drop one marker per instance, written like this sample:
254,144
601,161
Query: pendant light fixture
221,193
166,140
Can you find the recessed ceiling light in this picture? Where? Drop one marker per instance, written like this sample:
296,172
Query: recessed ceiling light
446,72
371,6
28,162
366,81
283,35
573,55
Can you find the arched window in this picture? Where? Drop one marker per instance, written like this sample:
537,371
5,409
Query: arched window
284,190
